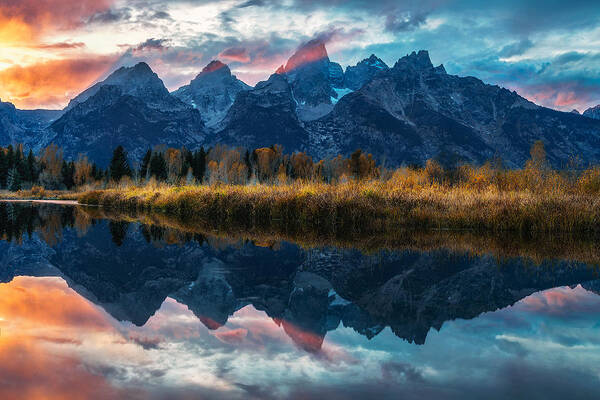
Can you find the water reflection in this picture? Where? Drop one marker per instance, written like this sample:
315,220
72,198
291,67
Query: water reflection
146,310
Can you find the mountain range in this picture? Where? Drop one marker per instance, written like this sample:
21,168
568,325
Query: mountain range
404,114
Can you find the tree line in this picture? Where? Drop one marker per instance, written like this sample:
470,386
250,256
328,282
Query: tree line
220,164
48,169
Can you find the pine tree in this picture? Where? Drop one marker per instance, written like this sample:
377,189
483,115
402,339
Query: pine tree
10,157
68,174
118,231
3,168
21,165
199,165
119,166
32,169
158,167
13,181
248,163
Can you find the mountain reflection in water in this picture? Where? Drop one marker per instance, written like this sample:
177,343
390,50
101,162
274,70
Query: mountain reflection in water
105,308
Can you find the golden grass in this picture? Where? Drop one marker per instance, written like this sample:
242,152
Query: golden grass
362,207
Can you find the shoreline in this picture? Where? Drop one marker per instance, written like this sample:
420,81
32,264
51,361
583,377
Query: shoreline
43,201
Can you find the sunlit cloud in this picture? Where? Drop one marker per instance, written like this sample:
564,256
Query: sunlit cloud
178,38
52,83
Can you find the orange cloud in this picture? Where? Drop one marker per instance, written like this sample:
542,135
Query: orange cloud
32,302
27,371
233,336
52,83
235,54
566,99
34,16
41,319
14,31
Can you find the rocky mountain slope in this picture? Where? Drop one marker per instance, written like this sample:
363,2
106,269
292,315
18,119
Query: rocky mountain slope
132,108
25,126
263,116
363,72
593,112
212,92
313,78
416,111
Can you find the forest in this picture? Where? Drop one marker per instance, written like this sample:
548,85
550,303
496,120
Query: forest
220,164
267,189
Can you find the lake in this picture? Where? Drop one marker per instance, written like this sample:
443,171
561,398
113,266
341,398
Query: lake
94,306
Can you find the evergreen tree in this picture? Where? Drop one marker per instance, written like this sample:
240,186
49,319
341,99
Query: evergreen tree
3,168
118,231
119,166
14,180
145,164
199,165
21,165
10,157
248,163
68,174
32,170
158,167
97,172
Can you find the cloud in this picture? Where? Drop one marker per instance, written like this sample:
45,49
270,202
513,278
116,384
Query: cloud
110,16
161,15
42,16
48,302
51,84
152,44
232,336
562,303
256,36
516,49
236,54
61,46
405,21
251,3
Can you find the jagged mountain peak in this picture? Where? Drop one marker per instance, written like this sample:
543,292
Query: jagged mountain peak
139,68
137,80
593,112
308,53
137,71
419,61
313,79
275,83
263,116
215,73
374,61
212,92
7,107
215,66
356,76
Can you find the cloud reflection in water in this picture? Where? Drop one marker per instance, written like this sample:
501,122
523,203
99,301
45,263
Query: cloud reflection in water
56,344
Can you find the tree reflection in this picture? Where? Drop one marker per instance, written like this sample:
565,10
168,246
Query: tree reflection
118,231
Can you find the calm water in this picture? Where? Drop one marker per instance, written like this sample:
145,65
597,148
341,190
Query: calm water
107,309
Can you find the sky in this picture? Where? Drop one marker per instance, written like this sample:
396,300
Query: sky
50,50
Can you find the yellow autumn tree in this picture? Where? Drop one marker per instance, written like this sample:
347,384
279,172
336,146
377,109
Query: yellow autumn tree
83,171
